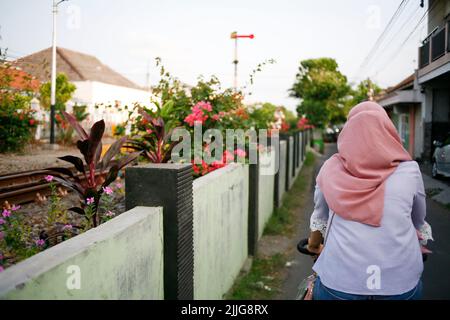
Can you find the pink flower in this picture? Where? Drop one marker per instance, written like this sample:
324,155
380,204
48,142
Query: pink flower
198,113
216,117
204,105
107,190
240,153
109,213
149,131
6,213
229,157
49,178
67,227
40,242
119,185
15,208
2,221
90,200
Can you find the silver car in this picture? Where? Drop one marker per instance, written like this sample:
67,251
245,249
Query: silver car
441,158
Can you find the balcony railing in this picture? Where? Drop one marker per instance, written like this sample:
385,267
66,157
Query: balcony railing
435,46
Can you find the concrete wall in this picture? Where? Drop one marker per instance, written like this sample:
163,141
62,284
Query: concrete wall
120,259
282,171
220,229
441,8
291,161
266,188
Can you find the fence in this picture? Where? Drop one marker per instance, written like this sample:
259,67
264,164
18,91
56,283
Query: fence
120,259
179,239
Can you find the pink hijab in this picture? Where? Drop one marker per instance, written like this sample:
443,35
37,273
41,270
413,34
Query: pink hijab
369,150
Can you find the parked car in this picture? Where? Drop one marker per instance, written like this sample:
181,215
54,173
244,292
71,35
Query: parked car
441,158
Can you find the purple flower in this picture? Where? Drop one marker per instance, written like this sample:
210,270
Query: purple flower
90,200
15,208
67,227
6,213
107,190
49,178
2,221
40,242
110,214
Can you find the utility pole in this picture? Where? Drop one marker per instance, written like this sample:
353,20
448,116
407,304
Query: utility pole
235,36
53,80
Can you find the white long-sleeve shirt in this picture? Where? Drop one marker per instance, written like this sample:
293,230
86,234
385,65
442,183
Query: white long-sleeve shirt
367,260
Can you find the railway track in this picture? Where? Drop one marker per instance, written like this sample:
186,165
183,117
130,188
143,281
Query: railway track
26,186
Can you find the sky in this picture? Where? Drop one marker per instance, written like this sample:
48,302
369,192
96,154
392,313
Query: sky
192,37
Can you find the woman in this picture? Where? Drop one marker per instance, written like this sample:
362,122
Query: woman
370,195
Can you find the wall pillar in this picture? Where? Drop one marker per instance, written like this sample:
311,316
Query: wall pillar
169,186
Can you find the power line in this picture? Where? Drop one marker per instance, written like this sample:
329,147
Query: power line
377,44
391,57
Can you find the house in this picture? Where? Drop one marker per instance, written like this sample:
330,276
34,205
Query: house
433,75
419,105
18,80
403,102
104,91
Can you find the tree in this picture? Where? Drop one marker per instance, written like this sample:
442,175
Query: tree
64,92
322,89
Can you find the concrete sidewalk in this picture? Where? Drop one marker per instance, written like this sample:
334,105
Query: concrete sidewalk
436,190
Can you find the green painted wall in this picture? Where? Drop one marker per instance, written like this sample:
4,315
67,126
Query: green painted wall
120,259
282,170
220,230
266,189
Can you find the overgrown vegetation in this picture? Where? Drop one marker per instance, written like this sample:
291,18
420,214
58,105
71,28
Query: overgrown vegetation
258,284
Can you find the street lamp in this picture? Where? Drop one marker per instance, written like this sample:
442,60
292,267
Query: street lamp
53,83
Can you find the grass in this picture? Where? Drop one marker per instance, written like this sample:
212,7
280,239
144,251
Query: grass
265,276
281,220
260,282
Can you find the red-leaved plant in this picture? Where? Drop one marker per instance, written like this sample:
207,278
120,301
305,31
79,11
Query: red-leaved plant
98,172
155,138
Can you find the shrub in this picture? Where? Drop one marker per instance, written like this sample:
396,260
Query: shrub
16,122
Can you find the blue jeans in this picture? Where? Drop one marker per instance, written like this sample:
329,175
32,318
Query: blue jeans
320,292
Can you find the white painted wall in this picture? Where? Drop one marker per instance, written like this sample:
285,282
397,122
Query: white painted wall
93,93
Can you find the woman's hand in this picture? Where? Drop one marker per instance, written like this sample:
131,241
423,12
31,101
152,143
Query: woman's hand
315,242
314,249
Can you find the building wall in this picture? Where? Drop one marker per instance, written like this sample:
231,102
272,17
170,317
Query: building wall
220,229
418,138
93,93
439,12
120,259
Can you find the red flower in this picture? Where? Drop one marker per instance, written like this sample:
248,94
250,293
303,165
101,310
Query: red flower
32,122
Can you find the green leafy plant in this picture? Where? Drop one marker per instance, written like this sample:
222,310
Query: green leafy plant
16,242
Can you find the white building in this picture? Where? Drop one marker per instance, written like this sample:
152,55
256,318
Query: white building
102,89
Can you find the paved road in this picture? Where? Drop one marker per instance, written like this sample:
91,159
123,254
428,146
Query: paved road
436,276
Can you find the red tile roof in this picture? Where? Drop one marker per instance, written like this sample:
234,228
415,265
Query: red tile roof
76,65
